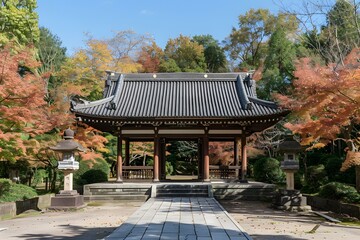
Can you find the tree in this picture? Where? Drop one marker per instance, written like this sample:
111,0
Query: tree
18,22
278,65
188,55
342,31
83,72
214,55
246,45
325,105
331,28
150,57
22,106
52,56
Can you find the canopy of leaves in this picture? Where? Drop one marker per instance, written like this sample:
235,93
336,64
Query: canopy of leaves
278,65
51,54
18,22
22,105
188,55
246,45
150,57
214,55
325,102
83,73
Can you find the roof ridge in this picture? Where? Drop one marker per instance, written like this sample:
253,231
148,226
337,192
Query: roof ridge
263,102
86,104
240,89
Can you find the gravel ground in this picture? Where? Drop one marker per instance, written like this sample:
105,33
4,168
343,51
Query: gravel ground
99,220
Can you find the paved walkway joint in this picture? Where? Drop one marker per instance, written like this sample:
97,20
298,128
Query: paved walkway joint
182,219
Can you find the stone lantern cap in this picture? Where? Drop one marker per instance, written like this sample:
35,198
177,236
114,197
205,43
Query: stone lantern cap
289,165
68,145
289,145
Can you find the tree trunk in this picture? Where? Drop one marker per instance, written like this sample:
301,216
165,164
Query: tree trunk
357,169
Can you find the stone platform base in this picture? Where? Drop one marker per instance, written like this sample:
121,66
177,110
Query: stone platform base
290,200
67,200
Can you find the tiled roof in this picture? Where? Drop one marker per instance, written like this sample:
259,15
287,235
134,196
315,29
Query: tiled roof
178,95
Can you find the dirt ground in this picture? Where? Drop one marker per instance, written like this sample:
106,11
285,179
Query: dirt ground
93,222
99,220
262,222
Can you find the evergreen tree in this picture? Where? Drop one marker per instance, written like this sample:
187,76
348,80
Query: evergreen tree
278,65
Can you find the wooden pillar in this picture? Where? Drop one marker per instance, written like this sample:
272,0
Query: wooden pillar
119,177
236,156
206,159
243,158
127,152
156,158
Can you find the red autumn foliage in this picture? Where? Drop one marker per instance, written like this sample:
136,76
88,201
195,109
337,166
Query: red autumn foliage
325,102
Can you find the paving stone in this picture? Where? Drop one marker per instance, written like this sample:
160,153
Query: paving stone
179,218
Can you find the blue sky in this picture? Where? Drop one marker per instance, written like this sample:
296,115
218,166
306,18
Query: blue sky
162,19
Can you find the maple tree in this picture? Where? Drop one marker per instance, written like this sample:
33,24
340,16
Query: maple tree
150,57
22,106
325,105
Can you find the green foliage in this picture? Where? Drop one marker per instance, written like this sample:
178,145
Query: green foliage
86,166
10,192
278,66
188,55
340,191
169,169
315,177
332,168
39,176
18,22
94,176
214,55
52,55
268,170
169,65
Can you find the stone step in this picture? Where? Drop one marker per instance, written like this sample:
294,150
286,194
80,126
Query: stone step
182,190
178,186
171,195
89,198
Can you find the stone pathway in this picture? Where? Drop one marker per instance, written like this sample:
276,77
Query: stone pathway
180,218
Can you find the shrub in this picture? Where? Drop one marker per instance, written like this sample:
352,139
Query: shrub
94,176
268,170
315,177
340,191
10,192
85,166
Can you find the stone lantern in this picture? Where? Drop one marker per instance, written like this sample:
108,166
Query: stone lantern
289,198
290,165
67,198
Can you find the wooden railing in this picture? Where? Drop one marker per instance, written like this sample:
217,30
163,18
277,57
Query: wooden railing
223,172
138,172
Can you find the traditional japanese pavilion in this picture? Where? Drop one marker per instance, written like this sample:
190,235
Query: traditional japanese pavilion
171,106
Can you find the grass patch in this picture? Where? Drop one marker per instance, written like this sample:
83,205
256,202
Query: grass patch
10,192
